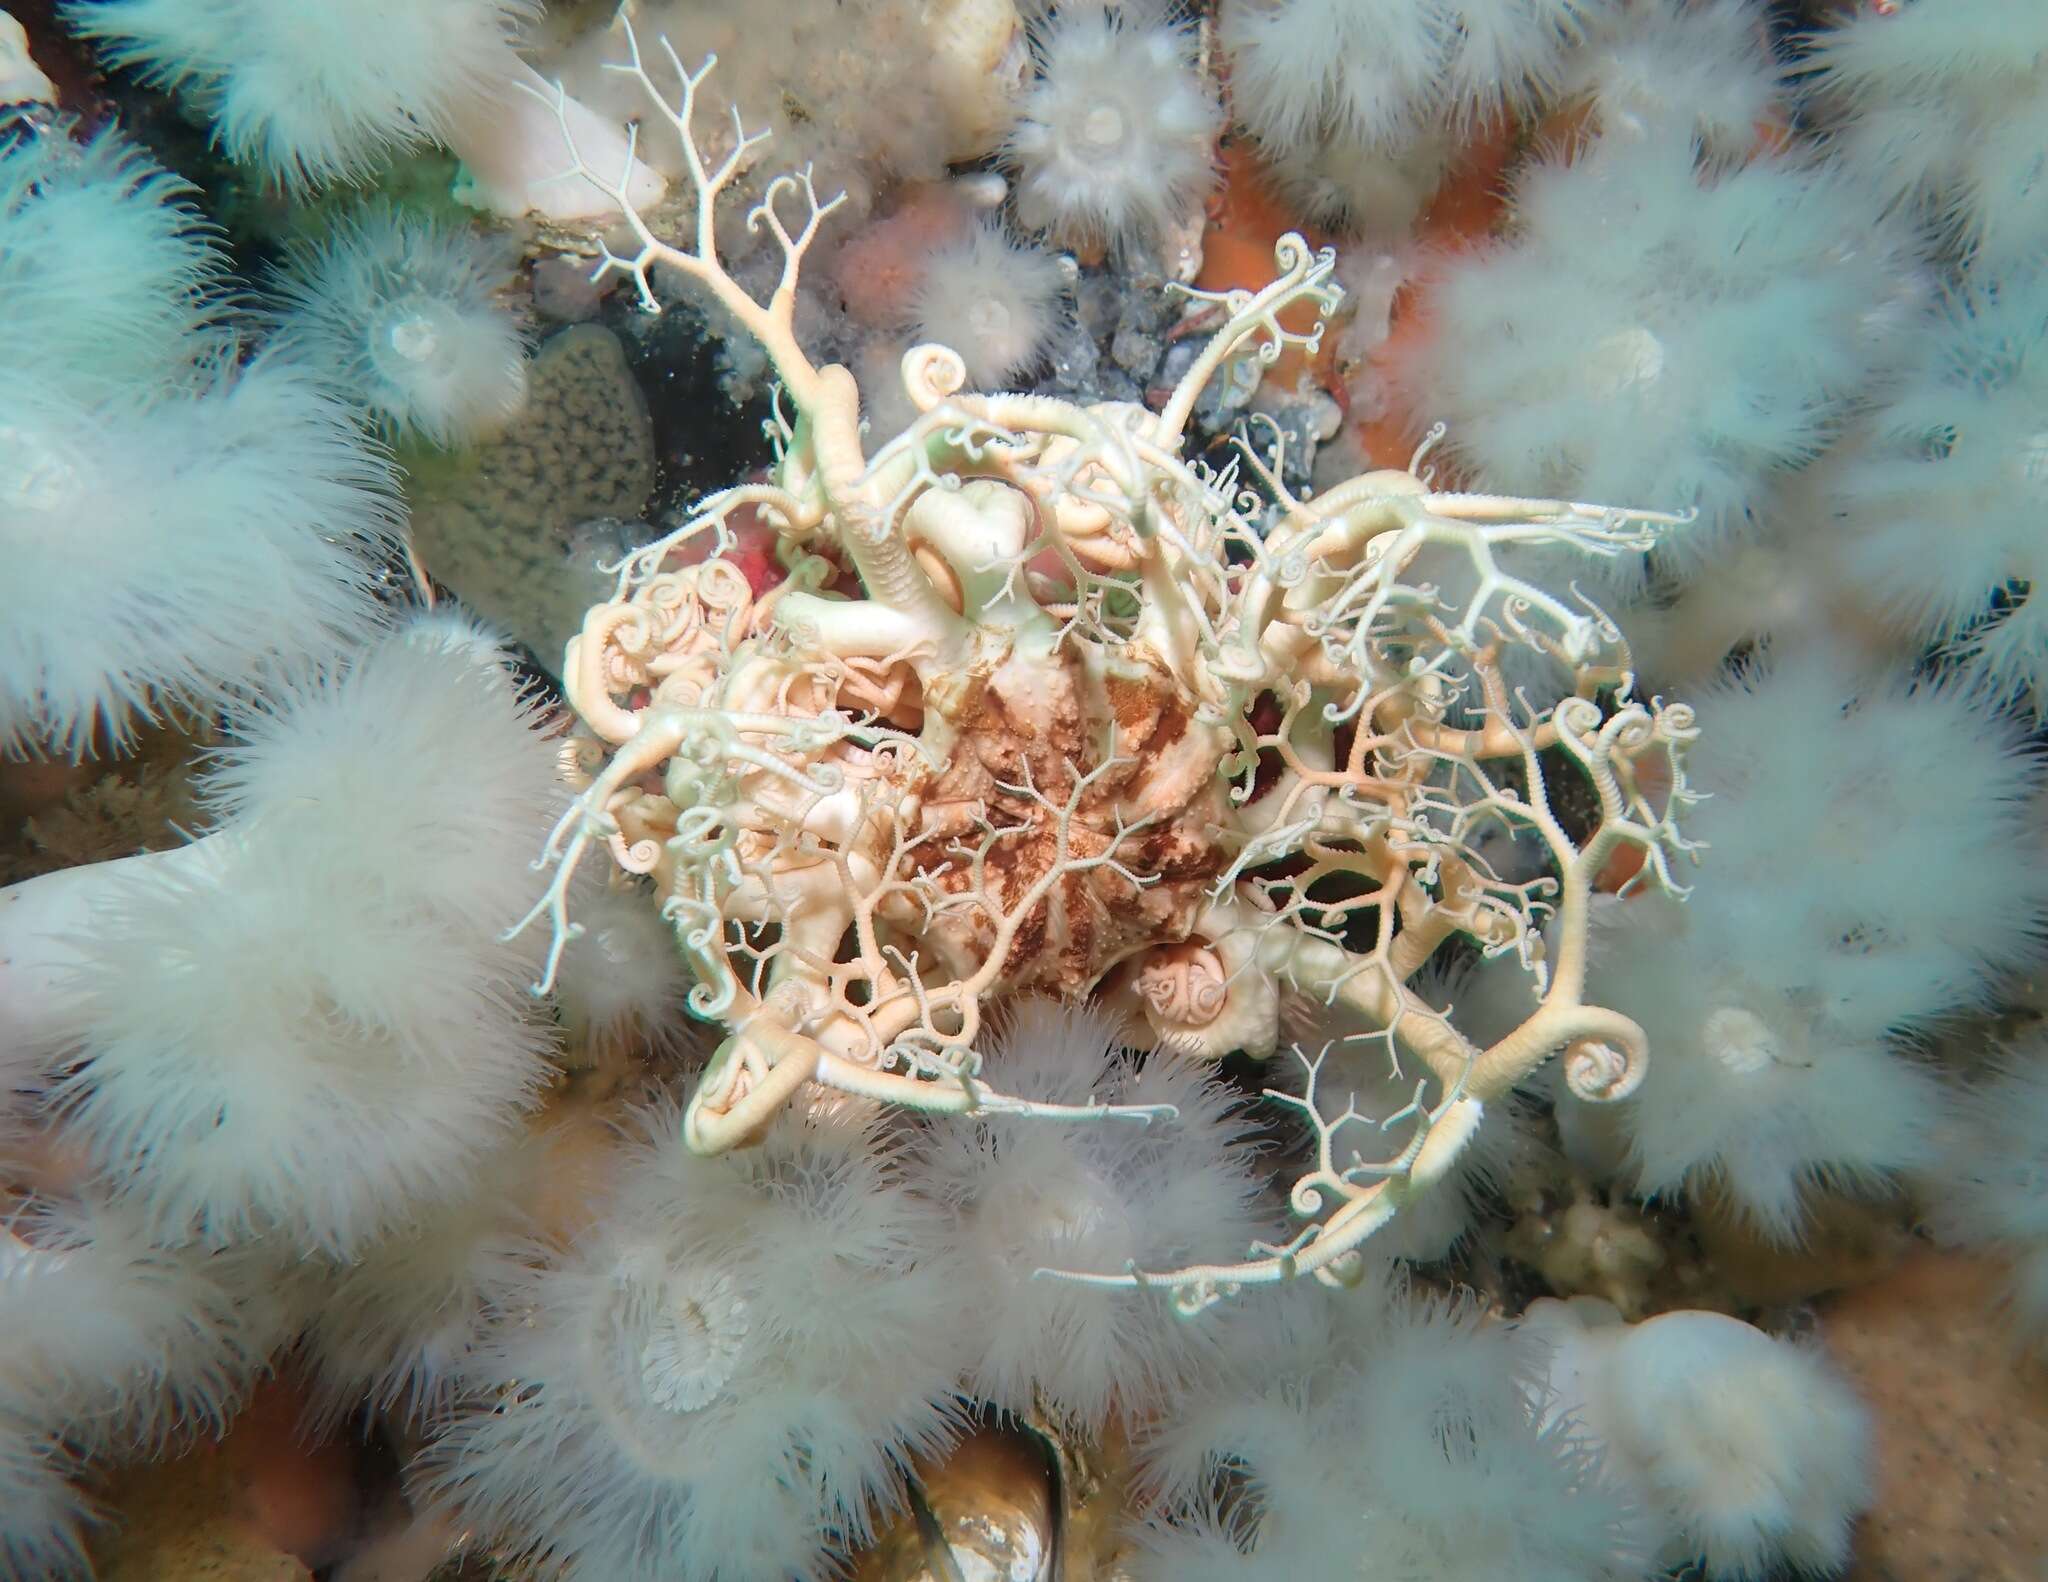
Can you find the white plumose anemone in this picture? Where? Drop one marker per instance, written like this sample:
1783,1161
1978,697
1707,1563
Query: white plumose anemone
46,1515
176,554
1944,495
398,312
109,277
1114,142
1985,1188
1092,1196
1404,1442
1702,68
115,1342
394,1325
319,93
1943,109
725,1371
1379,78
177,530
308,1022
994,302
622,981
1776,993
1648,331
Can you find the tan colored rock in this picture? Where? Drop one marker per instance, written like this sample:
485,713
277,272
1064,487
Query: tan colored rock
243,1508
1962,1425
1845,1242
178,1522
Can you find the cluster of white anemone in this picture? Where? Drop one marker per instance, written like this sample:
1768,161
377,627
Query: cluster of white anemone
1102,723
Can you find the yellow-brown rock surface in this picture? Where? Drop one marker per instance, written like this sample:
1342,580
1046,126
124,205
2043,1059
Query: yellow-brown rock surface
1962,1425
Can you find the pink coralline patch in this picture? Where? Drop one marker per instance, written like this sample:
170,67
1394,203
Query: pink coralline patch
753,551
877,272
